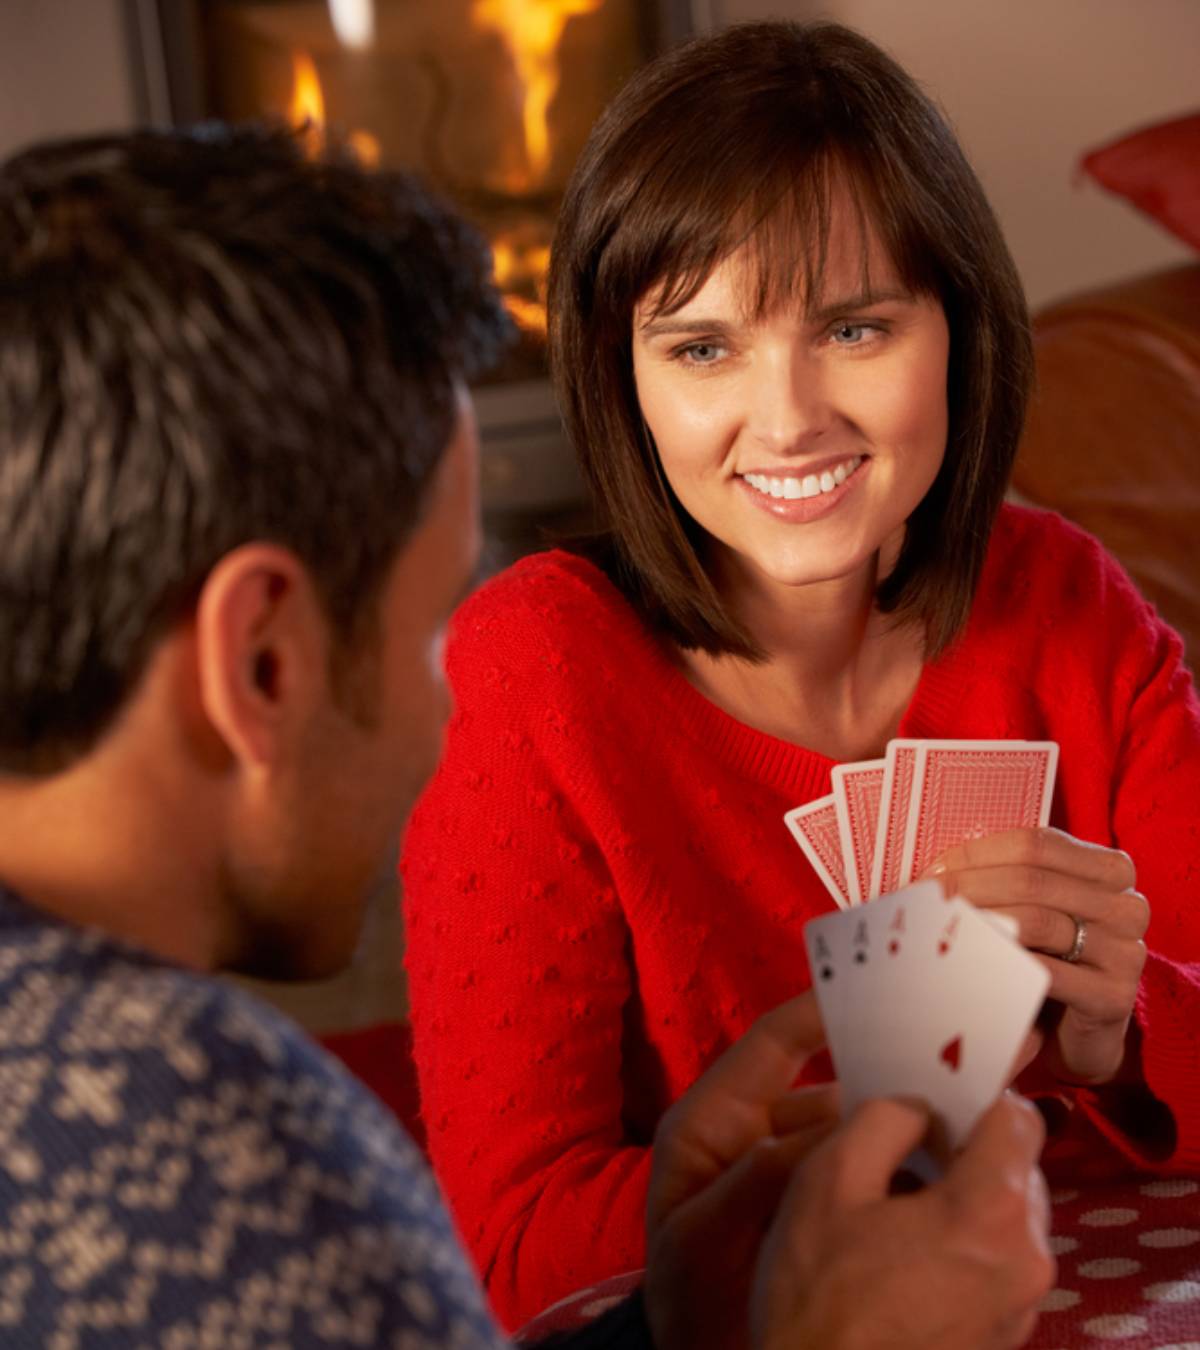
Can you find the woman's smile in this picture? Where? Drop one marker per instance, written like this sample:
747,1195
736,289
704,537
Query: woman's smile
802,496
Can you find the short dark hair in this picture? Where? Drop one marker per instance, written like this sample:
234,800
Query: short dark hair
208,339
740,138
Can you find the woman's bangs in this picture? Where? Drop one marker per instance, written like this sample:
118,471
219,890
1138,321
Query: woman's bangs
781,223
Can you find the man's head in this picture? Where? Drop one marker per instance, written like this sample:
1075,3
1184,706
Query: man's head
237,496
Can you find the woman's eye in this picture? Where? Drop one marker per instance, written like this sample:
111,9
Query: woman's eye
701,353
853,334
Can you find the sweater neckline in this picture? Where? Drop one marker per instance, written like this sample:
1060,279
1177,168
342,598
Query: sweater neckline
768,759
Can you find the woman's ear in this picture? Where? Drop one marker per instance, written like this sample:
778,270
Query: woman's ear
262,652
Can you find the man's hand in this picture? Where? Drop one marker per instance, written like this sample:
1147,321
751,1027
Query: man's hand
763,1214
962,1263
723,1155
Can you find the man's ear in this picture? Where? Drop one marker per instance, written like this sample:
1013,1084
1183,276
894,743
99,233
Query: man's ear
262,651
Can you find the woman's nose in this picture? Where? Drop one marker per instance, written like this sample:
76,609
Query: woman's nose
790,406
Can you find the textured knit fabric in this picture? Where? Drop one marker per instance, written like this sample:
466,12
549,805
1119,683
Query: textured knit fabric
180,1167
601,894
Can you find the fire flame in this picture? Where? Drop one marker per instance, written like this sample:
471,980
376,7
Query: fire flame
366,148
532,29
306,112
522,266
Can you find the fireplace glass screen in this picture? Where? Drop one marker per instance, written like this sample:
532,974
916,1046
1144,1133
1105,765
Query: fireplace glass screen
491,100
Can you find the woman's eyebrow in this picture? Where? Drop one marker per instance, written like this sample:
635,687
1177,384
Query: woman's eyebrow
863,300
670,324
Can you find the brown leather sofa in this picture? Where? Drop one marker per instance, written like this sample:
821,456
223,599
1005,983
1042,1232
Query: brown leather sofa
1113,440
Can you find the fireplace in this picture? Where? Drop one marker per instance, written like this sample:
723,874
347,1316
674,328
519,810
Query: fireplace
490,100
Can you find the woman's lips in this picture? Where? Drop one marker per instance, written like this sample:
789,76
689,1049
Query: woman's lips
809,497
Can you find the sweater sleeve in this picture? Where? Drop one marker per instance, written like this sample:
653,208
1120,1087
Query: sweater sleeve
519,975
1156,820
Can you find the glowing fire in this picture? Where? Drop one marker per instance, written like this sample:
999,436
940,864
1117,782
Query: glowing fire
306,109
521,266
365,147
520,262
532,29
306,112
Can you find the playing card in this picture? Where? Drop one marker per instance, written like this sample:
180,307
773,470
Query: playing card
827,942
857,789
881,941
840,962
969,789
895,795
814,827
943,1017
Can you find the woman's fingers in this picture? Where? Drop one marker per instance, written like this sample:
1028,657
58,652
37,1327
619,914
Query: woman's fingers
1031,896
1060,889
1090,1039
1098,994
1014,886
1045,850
1052,932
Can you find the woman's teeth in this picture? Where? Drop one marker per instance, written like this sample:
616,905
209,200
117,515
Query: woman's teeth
811,485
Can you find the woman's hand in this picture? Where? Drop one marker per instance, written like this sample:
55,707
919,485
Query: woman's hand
1069,899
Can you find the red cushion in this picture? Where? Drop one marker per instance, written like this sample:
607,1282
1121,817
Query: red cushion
1158,170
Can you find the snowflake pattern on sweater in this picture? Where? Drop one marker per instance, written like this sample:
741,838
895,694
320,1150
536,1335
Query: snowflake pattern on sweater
182,1168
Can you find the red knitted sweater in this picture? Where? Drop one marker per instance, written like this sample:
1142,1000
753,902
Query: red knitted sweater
601,894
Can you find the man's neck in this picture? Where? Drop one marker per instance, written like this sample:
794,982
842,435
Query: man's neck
101,846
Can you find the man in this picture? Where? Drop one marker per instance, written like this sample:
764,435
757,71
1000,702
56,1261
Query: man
238,501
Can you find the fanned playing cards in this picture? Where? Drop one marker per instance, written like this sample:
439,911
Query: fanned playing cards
887,819
924,997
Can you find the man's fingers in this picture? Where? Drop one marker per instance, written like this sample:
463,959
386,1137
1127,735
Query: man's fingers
1008,1137
857,1162
805,1108
765,1063
1046,848
727,1110
742,1200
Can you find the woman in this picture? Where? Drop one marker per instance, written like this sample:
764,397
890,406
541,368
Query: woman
793,356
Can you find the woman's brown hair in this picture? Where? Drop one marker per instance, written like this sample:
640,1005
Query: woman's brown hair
739,139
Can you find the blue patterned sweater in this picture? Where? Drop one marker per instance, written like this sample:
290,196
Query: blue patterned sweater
182,1168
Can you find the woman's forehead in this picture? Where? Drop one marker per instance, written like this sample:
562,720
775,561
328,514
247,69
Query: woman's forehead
775,271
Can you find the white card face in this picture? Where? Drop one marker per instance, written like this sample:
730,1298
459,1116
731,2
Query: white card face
939,1009
969,789
853,958
857,789
814,827
896,928
827,942
895,795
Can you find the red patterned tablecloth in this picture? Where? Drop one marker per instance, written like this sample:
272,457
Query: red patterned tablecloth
1128,1268
1128,1272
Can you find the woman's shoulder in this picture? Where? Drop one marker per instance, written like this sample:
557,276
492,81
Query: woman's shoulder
554,586
1052,581
554,605
1038,551
1034,529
